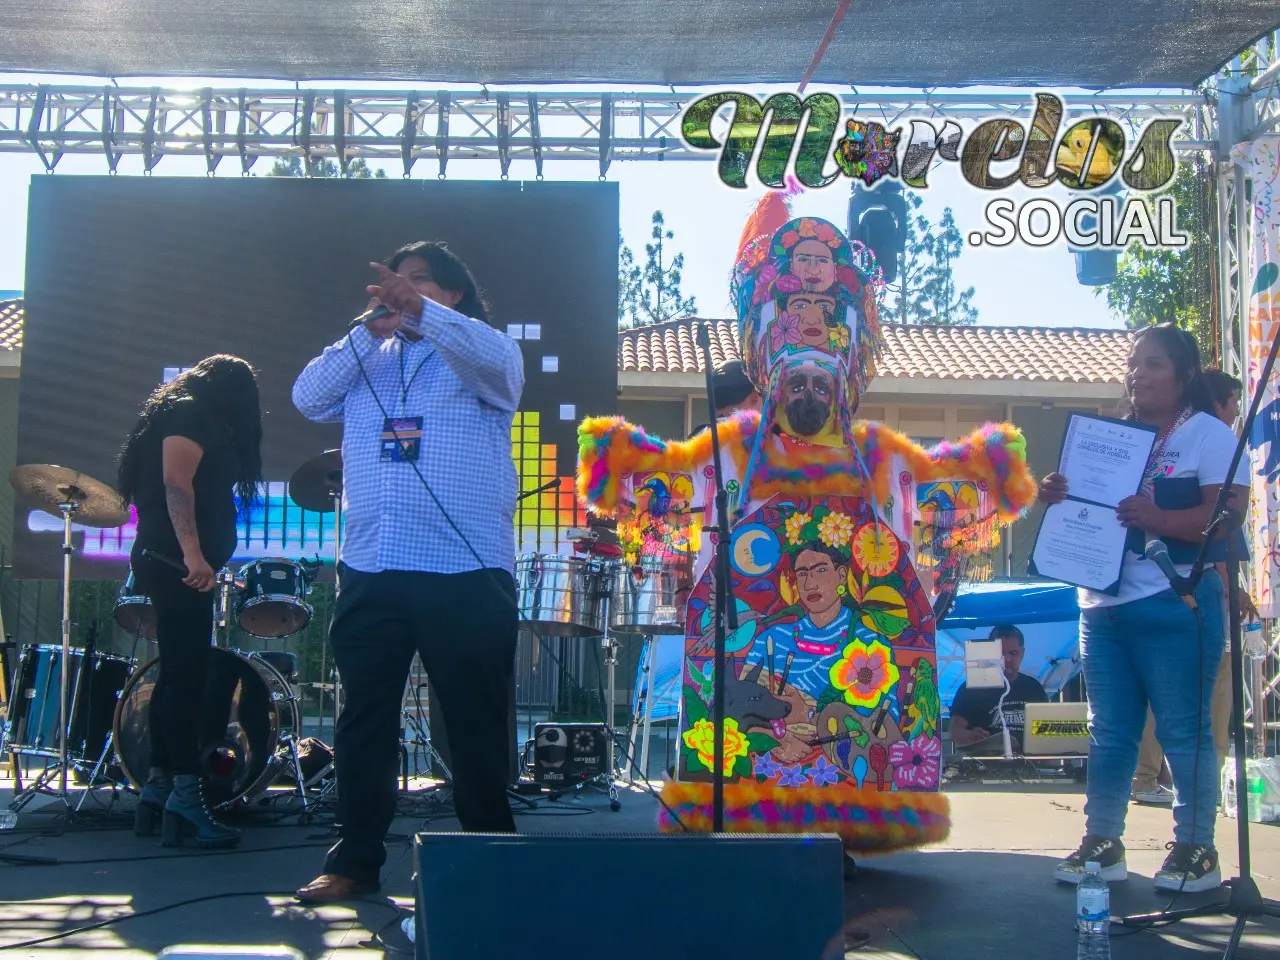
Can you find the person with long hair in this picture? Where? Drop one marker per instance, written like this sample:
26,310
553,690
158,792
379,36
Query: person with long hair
1145,646
195,448
427,395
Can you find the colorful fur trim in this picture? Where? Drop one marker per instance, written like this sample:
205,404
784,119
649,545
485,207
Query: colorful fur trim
994,456
868,821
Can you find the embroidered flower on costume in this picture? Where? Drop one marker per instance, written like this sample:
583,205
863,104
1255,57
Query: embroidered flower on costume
788,283
848,278
701,738
836,530
764,283
823,773
808,228
793,776
785,330
825,232
876,549
916,763
788,239
838,337
764,766
865,672
795,524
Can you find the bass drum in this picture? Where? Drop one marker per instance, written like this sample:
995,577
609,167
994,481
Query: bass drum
251,709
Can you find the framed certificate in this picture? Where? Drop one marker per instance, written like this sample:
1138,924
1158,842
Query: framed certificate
1081,540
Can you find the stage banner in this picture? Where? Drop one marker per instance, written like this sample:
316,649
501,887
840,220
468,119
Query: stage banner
1261,158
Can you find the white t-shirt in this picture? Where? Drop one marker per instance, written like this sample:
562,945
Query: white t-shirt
1201,448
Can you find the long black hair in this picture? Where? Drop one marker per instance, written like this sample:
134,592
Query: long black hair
448,272
228,388
1183,352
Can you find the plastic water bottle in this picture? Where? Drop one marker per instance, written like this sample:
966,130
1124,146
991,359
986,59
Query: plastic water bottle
8,818
1093,915
1256,790
1252,640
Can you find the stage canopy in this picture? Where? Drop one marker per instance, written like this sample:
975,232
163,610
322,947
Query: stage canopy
914,43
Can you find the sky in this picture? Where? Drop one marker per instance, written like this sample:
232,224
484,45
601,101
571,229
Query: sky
1012,286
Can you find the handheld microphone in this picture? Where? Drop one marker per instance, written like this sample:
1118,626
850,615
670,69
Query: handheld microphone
377,313
1158,553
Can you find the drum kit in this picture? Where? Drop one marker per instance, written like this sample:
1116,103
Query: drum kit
596,593
99,705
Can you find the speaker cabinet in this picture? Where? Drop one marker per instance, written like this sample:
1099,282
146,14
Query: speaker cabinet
628,897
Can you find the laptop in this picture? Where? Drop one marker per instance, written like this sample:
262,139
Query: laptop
1056,730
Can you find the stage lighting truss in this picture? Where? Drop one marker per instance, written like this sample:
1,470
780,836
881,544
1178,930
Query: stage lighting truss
400,128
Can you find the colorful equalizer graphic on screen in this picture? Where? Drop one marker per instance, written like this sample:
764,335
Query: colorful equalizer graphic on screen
278,527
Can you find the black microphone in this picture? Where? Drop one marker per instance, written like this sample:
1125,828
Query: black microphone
1158,553
377,313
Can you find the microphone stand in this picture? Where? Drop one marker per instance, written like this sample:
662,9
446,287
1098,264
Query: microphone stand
1245,901
726,614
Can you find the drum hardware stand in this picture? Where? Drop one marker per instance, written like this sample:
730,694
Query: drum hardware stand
69,505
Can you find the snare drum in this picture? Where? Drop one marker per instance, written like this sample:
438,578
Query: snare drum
134,613
562,596
649,597
92,693
273,602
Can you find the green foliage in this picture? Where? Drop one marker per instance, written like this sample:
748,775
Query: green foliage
926,291
1173,285
651,294
321,168
760,742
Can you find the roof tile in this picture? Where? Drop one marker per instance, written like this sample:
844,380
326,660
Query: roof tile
1064,355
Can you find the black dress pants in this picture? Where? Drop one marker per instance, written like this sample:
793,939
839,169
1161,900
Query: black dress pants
463,626
181,707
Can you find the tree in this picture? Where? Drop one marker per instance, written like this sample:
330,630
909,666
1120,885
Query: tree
652,294
357,169
1173,285
926,290
628,283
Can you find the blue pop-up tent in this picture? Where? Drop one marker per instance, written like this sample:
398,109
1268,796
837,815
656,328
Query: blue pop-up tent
1047,614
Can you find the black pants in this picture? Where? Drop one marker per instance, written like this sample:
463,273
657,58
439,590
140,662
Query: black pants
463,626
181,712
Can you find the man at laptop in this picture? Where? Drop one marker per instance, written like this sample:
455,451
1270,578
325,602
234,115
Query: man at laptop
975,722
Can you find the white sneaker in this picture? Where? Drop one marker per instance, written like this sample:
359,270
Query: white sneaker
1161,796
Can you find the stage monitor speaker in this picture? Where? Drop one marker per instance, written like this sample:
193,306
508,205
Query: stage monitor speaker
628,897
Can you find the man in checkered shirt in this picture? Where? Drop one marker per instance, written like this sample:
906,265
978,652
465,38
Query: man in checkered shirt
426,396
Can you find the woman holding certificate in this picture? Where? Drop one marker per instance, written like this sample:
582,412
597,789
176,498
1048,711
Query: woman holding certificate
1144,644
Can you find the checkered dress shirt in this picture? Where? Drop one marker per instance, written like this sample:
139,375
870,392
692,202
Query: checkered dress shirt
464,379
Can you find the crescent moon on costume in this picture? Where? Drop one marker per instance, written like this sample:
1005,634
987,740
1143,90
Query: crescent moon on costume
755,551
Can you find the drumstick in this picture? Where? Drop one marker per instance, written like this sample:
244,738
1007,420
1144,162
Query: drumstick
782,687
768,649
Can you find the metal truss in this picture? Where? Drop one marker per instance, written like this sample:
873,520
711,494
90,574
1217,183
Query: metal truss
386,127
1247,95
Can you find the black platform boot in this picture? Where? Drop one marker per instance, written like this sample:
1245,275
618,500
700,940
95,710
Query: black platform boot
185,815
151,800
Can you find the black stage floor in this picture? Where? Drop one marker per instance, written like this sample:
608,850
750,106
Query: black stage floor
986,894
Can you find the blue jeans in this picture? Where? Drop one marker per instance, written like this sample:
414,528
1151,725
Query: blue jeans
1150,651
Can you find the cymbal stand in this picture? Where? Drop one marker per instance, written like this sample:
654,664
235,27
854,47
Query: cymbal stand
68,506
327,786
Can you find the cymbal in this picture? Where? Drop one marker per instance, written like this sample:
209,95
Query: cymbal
44,486
313,484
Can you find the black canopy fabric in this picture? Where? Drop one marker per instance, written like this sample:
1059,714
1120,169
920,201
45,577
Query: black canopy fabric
1088,43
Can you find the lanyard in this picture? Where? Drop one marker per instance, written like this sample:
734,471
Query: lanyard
404,387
